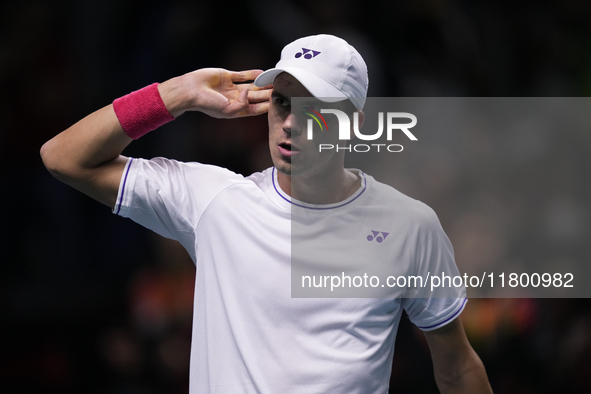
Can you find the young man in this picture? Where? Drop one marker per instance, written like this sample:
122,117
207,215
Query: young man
249,334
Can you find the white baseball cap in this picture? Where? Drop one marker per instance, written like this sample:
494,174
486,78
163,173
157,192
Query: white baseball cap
330,68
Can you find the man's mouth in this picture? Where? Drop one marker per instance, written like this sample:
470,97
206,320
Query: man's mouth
287,149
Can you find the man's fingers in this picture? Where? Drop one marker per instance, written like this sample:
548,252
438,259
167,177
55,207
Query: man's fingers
243,97
244,76
256,96
259,108
268,87
255,109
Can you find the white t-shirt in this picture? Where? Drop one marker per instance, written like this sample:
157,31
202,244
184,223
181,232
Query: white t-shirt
249,334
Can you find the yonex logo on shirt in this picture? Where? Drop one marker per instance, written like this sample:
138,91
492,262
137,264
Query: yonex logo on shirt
379,238
307,54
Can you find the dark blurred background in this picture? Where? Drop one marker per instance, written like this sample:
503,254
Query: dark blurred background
93,303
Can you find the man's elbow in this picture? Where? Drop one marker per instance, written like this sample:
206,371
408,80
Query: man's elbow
48,157
54,161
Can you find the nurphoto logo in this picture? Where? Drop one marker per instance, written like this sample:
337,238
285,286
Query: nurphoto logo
345,129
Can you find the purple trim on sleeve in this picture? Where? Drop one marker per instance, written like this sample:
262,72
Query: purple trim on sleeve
123,187
448,319
318,208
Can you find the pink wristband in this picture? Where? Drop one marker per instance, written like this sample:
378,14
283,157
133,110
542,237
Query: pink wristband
141,111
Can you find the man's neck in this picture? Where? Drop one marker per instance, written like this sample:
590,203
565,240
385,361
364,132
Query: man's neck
320,188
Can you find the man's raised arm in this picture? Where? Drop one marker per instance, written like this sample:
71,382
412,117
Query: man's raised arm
87,156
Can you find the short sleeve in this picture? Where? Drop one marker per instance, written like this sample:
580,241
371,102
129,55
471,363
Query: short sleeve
443,296
168,196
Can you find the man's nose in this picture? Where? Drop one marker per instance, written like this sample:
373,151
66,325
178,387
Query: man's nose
291,124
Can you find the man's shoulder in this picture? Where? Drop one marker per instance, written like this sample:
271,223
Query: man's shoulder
261,177
191,177
215,170
187,169
173,165
392,199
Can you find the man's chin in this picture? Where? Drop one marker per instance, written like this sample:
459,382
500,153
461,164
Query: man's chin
283,168
290,169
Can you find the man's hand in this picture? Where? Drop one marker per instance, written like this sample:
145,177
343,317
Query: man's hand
217,92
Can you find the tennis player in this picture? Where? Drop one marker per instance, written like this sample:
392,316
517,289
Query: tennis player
249,334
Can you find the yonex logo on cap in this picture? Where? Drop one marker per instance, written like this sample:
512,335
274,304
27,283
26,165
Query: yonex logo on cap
307,54
337,69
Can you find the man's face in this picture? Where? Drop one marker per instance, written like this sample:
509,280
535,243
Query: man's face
291,151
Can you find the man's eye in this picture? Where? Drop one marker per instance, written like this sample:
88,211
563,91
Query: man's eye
281,102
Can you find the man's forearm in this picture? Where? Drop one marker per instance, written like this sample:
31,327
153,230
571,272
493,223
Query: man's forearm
99,137
87,155
91,142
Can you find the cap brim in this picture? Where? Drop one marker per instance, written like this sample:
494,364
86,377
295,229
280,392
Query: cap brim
317,86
